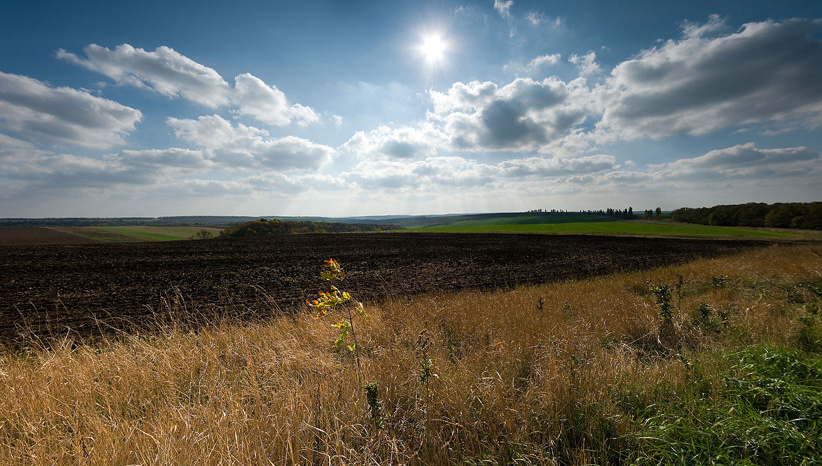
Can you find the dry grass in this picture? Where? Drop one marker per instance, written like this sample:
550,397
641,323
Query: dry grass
537,375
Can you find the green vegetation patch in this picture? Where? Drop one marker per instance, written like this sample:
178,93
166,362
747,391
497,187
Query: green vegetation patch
610,228
137,233
553,219
160,233
767,410
264,227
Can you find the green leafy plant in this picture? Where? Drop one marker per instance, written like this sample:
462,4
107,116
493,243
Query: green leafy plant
720,281
662,293
426,363
426,375
339,303
372,394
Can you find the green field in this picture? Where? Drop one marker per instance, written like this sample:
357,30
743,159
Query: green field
597,226
137,233
543,222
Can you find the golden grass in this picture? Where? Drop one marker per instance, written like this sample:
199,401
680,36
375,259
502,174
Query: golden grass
537,375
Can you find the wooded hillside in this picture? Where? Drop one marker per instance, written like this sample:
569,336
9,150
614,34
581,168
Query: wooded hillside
806,216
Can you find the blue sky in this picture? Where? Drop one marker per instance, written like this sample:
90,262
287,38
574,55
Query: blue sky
366,108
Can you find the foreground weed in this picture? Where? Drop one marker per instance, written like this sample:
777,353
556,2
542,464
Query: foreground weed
767,411
372,392
662,293
335,303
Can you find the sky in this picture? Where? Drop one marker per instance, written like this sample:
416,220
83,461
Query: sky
356,108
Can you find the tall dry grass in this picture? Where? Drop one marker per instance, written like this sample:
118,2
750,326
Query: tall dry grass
537,375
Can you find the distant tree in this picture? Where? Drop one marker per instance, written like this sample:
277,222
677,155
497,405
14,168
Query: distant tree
658,213
203,234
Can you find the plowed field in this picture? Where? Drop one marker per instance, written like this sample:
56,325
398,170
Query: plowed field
15,236
50,290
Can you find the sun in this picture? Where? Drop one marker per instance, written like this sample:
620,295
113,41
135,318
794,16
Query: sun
433,48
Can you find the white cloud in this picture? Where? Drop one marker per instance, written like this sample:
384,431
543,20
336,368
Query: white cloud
550,167
213,131
56,172
503,7
766,72
246,147
586,63
420,174
164,71
172,74
161,159
746,161
15,150
388,143
525,115
462,96
268,104
432,173
48,114
541,60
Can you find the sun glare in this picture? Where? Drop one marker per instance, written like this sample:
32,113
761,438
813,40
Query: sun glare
433,48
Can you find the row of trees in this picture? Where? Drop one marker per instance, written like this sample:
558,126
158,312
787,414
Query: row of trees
627,214
781,215
264,227
653,214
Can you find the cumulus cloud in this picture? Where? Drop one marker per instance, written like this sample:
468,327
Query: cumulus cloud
172,74
388,143
765,72
213,131
246,147
164,70
525,115
586,63
62,115
268,104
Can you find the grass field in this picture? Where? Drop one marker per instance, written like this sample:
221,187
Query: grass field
593,226
137,233
572,373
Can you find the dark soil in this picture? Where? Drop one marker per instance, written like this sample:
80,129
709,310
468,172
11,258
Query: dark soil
94,289
15,236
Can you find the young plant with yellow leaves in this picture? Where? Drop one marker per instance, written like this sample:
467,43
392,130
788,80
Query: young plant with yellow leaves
339,303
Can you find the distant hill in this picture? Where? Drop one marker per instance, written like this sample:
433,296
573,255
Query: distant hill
209,221
505,218
407,221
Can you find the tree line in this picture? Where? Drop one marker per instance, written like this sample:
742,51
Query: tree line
628,213
263,227
807,215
